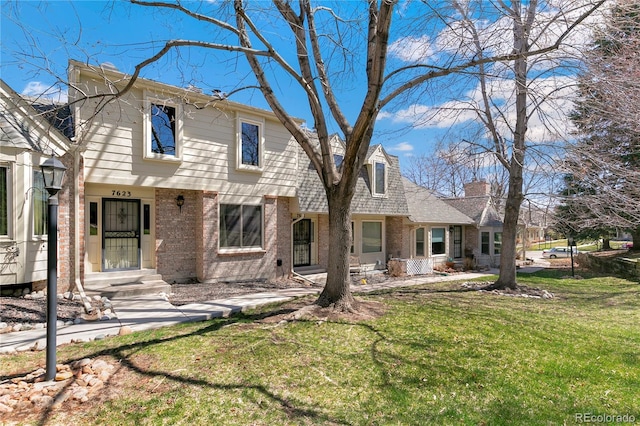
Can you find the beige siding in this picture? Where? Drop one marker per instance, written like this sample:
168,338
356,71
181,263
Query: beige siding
115,148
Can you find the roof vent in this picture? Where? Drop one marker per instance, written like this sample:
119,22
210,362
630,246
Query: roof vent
108,66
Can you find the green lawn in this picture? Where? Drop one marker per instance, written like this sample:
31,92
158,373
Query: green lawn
438,355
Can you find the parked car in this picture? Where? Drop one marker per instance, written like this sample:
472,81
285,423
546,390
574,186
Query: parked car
627,245
558,252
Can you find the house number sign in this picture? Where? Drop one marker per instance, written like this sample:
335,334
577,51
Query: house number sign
123,194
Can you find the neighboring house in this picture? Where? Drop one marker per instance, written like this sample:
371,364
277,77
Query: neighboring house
377,209
434,229
26,140
533,220
484,240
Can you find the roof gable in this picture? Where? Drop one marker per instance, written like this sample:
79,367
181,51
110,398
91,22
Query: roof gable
312,198
23,127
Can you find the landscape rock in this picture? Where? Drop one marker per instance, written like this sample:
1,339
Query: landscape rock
31,392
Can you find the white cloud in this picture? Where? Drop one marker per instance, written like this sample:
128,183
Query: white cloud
402,147
37,89
552,97
412,49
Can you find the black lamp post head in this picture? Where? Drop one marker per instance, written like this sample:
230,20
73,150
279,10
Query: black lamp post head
53,173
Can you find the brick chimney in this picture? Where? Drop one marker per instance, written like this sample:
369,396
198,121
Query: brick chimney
477,188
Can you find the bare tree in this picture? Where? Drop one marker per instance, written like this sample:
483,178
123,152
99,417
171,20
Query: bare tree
603,182
511,94
329,48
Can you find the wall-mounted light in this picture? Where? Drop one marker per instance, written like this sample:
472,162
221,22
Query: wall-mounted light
450,228
180,201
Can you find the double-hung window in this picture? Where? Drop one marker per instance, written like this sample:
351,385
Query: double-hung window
4,202
240,226
39,206
484,242
163,131
437,241
420,242
497,242
250,149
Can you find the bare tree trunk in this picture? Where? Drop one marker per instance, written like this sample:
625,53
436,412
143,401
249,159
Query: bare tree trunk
507,278
337,292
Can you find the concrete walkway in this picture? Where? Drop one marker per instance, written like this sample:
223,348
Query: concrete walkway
150,312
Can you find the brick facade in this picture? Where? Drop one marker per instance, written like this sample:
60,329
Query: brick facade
284,238
176,235
323,241
395,237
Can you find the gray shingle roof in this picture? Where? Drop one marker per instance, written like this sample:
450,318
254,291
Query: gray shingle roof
26,125
312,198
425,207
479,208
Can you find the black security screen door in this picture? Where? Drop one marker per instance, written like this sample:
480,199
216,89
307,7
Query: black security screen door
121,235
457,242
302,243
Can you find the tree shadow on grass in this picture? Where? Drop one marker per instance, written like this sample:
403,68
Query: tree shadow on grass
294,410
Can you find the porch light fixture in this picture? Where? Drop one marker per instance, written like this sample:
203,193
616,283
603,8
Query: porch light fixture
180,201
53,173
450,228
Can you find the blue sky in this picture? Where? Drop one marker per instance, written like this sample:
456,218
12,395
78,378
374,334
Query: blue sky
38,38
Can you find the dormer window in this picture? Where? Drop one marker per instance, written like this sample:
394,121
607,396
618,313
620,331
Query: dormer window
379,179
163,131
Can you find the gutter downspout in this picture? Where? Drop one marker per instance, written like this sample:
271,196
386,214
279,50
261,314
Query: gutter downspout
76,250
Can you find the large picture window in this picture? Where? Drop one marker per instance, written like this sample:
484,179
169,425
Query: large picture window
250,145
437,241
371,237
4,202
40,197
240,226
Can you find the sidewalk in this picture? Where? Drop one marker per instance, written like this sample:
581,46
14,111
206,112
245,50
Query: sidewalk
152,311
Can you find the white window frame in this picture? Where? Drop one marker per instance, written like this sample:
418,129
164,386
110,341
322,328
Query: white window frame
147,133
444,241
261,127
9,185
240,249
425,241
38,192
374,186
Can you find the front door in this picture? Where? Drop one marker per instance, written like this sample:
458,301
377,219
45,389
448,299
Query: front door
302,243
121,234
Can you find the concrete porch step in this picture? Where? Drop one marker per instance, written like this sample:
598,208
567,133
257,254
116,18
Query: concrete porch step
131,289
125,283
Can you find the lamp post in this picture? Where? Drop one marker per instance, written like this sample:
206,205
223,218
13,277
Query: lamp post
53,172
